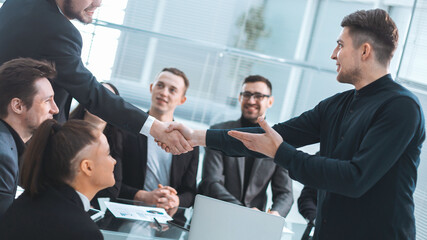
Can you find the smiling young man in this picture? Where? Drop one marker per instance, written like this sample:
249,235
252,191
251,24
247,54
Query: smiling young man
244,180
41,29
151,175
26,100
370,140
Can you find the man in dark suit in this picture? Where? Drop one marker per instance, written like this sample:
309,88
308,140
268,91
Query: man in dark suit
151,175
26,100
244,180
41,29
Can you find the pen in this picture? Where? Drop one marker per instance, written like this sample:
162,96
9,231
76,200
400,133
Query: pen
159,226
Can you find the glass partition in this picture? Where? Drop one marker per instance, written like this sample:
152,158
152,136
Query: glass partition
218,43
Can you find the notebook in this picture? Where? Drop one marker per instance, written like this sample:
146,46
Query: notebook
215,219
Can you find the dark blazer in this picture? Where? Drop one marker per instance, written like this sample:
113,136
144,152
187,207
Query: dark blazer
134,165
37,29
223,178
56,213
8,168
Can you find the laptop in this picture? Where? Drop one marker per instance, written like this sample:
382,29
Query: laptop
218,220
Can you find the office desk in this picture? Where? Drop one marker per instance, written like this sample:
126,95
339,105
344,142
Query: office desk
124,229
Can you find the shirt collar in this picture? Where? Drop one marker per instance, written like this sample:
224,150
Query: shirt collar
85,201
246,123
374,86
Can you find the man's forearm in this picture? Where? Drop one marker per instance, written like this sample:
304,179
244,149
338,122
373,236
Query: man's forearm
218,139
198,138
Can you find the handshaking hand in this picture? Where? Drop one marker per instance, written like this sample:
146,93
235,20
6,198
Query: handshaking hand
193,137
175,141
266,143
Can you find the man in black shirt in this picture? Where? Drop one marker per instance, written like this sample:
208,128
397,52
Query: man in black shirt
243,180
26,100
370,140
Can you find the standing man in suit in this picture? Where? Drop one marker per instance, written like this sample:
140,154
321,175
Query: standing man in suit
151,175
244,180
26,100
41,29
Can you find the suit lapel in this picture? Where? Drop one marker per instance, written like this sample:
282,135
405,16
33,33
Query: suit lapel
143,159
241,169
254,171
174,168
240,162
254,177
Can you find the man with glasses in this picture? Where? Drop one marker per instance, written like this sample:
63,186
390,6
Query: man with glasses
244,180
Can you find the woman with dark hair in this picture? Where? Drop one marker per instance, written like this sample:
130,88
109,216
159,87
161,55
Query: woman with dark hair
63,167
115,139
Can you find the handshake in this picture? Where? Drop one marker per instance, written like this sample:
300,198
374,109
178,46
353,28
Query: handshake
176,138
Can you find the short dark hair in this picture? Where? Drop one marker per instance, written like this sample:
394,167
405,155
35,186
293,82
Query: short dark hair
258,78
375,27
17,79
180,73
48,160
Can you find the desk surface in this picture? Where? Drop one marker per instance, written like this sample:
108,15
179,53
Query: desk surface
117,228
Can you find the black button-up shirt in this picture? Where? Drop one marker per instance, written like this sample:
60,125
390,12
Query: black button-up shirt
370,143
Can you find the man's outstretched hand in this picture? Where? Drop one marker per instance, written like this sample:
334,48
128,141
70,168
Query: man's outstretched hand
266,143
175,141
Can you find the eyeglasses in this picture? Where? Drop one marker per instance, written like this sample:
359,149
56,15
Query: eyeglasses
257,96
